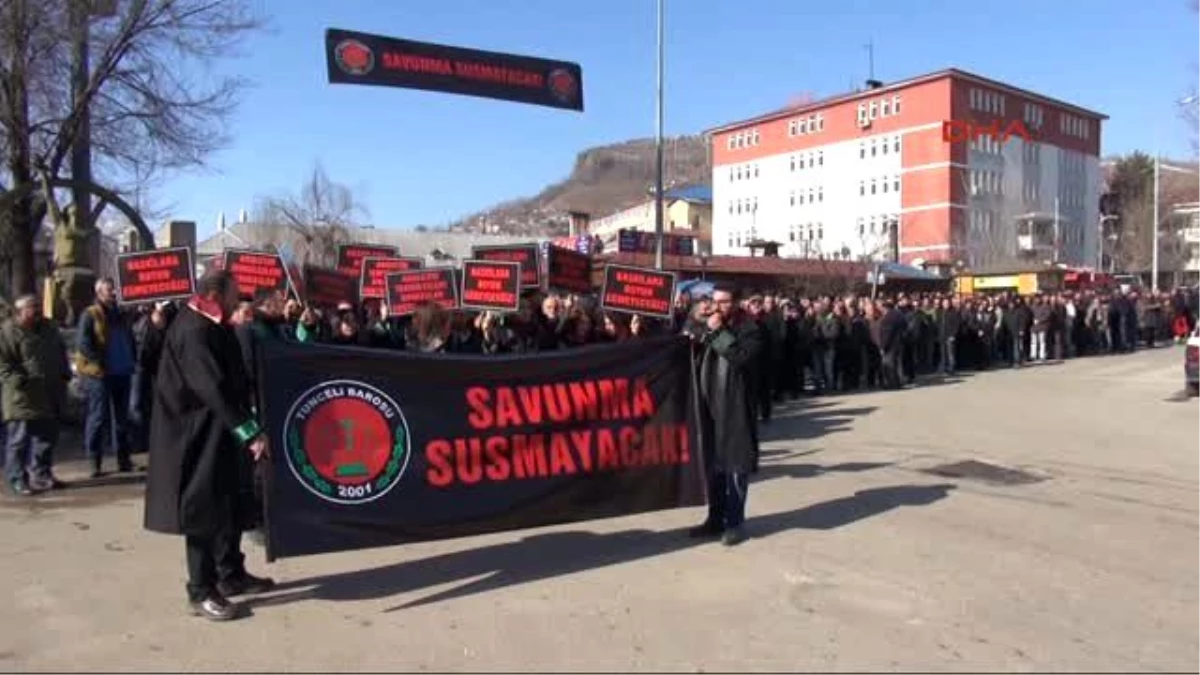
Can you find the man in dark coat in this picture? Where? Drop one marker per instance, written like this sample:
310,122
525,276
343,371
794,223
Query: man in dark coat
732,346
892,328
201,421
33,396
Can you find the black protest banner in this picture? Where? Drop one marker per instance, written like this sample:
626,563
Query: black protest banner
568,270
375,271
637,290
362,58
151,276
324,287
254,270
490,285
529,255
376,448
350,256
408,290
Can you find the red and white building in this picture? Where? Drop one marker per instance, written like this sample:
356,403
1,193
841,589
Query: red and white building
869,174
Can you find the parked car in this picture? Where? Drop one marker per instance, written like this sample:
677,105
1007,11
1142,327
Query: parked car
1191,363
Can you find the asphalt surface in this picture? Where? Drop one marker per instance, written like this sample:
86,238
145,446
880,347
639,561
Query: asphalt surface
1070,543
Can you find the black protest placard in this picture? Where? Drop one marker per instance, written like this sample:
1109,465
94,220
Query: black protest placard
255,270
375,271
324,287
491,285
151,276
408,290
528,255
637,290
568,270
375,448
363,58
350,256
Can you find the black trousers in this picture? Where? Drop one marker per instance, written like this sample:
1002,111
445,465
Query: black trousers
727,498
213,558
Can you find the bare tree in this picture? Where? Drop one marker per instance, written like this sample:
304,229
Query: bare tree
320,217
148,103
1133,181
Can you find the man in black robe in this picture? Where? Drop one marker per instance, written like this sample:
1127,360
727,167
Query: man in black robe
732,346
201,421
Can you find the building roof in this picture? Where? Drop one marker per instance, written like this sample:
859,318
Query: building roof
695,194
732,264
902,84
448,245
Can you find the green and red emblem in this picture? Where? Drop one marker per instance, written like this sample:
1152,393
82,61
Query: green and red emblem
346,441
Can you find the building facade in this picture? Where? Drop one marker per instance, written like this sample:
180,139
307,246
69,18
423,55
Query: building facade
1187,217
686,211
872,174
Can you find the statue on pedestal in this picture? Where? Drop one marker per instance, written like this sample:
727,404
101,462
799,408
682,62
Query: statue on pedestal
74,239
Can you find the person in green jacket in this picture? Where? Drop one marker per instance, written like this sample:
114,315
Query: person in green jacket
33,393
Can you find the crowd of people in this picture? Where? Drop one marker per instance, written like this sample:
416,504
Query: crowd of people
176,379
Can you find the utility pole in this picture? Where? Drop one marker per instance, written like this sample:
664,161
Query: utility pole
1154,224
658,147
870,47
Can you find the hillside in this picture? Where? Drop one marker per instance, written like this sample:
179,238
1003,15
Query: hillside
604,179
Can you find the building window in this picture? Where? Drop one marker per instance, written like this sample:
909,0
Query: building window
820,122
810,195
792,197
896,183
862,229
873,185
862,188
810,160
895,105
885,108
756,171
884,146
820,230
793,162
884,185
874,110
873,149
820,158
862,111
820,194
862,150
791,128
896,144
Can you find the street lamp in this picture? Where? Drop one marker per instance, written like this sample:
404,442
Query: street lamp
1190,100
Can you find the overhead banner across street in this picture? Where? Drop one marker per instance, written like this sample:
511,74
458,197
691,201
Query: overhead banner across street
373,451
363,58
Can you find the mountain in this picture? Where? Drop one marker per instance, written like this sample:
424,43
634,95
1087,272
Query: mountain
604,180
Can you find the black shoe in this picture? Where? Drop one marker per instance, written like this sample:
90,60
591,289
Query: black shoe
708,530
50,483
245,584
128,468
215,608
21,489
733,536
96,472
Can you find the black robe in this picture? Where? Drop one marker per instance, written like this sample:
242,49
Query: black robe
729,411
194,477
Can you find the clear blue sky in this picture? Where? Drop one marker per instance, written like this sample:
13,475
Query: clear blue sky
428,158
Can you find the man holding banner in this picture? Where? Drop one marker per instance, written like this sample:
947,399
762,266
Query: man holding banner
201,422
732,345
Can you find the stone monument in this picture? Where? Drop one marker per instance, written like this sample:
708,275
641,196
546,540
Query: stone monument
75,239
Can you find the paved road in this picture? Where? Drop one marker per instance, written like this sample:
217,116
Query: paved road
861,560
